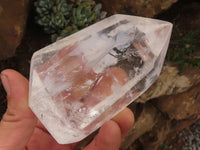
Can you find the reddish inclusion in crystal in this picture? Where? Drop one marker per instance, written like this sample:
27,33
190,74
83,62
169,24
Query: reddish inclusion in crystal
103,87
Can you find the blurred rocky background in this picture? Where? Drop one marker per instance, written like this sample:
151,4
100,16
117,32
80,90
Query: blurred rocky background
167,115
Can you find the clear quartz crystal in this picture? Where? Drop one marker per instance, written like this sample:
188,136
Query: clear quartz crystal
83,80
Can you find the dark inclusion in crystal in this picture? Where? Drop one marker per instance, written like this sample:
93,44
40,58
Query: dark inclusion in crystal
129,59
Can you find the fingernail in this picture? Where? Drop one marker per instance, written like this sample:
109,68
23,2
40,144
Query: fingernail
4,80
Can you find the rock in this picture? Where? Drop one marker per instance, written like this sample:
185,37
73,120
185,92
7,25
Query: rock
181,106
145,121
174,113
13,15
148,8
163,128
171,83
151,140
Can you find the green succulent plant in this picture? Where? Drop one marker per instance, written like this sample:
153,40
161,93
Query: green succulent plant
58,21
82,16
62,7
64,17
53,23
44,21
51,14
43,7
183,49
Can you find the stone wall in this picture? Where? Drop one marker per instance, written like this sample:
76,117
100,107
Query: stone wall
146,8
13,16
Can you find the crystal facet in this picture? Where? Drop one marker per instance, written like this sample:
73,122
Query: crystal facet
83,80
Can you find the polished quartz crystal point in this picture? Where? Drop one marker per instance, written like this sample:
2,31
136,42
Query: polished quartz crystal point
83,80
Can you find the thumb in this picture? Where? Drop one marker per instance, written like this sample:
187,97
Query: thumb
17,124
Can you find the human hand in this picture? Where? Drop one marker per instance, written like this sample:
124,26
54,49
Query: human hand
20,129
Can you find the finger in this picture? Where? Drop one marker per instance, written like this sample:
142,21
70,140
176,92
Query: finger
47,142
18,122
108,138
125,120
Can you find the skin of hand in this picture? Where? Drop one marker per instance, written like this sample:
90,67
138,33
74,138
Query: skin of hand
20,129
